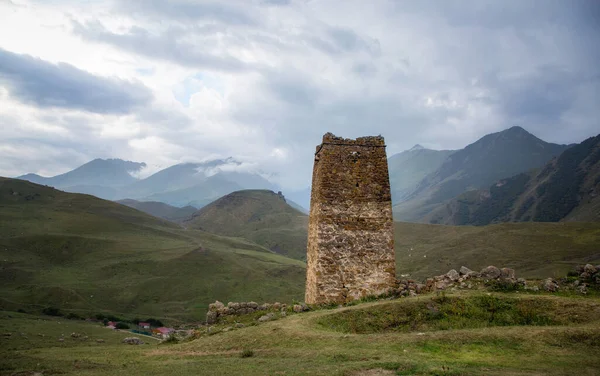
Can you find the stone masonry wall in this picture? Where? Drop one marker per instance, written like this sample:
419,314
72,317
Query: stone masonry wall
350,251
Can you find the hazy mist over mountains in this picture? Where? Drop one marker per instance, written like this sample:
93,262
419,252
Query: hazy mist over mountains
423,181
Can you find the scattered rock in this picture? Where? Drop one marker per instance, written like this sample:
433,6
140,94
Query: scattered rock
297,308
522,282
100,340
75,335
453,275
491,272
507,273
239,325
465,271
227,329
550,285
61,340
267,317
589,268
582,289
133,341
420,288
211,317
216,306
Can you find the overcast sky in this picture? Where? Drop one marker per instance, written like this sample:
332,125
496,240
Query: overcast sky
165,82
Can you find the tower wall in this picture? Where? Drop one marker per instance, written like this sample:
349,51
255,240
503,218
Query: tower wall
350,251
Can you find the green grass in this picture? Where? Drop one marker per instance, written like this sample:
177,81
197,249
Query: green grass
534,250
87,256
458,312
300,344
260,216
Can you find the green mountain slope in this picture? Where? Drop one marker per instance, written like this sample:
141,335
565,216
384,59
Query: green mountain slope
160,210
534,250
86,255
567,188
493,157
408,168
261,216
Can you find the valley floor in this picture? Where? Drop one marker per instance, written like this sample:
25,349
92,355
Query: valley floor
325,342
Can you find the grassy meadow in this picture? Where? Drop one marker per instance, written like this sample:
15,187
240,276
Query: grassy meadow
85,256
534,250
465,333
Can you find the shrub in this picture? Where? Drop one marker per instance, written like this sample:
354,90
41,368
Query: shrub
172,339
122,325
247,354
154,322
73,316
504,285
52,311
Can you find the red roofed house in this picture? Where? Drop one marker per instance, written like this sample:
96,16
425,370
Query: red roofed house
163,332
144,325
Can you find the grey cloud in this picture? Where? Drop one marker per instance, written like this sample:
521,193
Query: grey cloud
292,87
35,81
337,40
185,10
168,46
277,2
539,97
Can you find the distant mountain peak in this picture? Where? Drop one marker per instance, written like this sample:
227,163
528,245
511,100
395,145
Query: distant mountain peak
416,147
517,130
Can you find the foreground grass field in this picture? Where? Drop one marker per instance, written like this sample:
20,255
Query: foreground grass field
562,338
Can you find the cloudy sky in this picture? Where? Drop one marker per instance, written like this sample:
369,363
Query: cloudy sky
174,81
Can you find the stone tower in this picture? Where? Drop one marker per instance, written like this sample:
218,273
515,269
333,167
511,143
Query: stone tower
350,251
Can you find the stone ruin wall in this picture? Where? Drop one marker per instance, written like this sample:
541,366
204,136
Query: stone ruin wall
350,251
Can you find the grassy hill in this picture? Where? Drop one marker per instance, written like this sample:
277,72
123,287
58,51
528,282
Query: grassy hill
85,255
465,333
260,216
160,210
567,188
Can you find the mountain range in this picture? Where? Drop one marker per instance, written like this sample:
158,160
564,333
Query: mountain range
566,188
423,181
186,184
480,164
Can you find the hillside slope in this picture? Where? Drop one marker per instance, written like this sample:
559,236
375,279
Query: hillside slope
477,166
409,167
160,210
88,255
261,216
567,188
534,250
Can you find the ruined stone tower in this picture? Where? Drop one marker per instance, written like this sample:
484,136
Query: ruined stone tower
350,233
